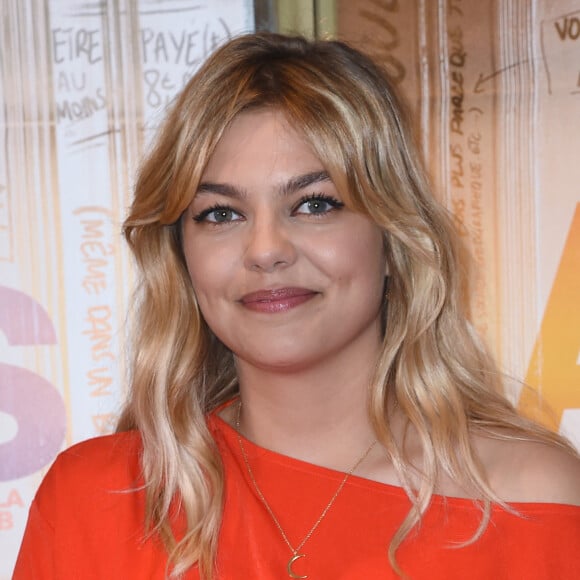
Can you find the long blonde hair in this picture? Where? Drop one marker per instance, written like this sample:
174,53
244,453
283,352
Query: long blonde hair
432,366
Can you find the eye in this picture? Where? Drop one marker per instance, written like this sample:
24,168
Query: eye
317,204
219,214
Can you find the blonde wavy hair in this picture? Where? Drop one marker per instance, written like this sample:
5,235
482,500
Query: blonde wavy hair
432,366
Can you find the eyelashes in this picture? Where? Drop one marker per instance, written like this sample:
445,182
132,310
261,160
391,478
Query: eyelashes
219,212
315,205
318,204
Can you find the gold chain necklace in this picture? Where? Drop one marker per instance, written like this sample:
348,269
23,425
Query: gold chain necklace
296,555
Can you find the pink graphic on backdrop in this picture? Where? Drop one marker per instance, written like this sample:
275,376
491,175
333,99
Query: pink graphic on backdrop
33,401
23,320
41,416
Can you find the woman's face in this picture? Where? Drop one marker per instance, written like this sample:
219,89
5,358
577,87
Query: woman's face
286,275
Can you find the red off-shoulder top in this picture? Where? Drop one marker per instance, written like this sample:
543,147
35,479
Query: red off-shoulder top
87,522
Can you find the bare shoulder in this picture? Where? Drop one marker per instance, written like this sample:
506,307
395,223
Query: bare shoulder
528,471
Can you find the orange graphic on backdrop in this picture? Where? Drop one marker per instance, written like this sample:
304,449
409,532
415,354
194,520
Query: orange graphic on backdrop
554,371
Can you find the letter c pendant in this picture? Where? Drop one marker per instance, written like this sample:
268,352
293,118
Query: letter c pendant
291,573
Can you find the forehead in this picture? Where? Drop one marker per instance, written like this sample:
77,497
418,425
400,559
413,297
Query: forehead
262,150
260,142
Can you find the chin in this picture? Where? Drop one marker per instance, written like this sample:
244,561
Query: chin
283,363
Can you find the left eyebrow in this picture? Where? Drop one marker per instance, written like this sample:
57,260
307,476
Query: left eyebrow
301,181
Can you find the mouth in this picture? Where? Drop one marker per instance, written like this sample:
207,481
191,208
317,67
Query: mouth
277,300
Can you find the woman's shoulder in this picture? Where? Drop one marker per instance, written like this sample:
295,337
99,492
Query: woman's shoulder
106,462
530,471
106,450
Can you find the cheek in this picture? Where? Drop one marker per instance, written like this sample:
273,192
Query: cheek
359,256
210,269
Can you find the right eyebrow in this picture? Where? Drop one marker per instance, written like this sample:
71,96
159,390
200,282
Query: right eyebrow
221,189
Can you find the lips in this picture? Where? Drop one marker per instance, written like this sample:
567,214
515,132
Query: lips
277,300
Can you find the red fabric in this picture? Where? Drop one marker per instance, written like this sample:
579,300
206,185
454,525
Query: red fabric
86,523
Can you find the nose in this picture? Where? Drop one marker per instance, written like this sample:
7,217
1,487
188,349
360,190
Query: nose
269,245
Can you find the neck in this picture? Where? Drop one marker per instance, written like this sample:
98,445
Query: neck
317,415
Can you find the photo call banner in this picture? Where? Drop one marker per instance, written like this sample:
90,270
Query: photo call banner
494,90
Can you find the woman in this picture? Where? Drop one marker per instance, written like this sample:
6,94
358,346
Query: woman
308,399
